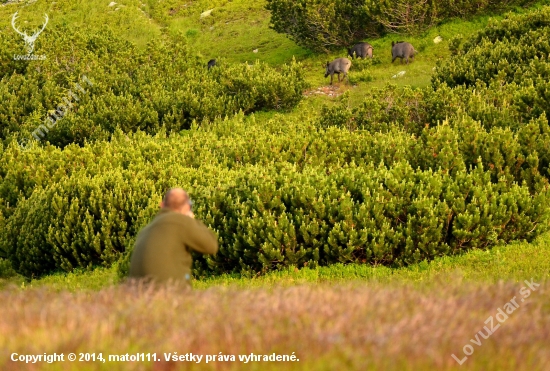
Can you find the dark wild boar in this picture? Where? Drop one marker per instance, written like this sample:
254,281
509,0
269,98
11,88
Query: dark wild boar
361,50
402,50
211,63
338,66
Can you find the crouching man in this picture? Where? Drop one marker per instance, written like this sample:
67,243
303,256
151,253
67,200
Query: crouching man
162,251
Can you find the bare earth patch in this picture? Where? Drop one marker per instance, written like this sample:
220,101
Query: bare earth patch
352,327
328,90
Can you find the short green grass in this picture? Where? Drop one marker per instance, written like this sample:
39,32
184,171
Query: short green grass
234,30
514,262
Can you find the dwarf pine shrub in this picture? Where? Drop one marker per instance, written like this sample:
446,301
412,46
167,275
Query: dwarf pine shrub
320,197
164,87
323,25
407,175
271,217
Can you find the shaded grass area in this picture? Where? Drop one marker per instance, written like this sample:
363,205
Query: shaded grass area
514,262
327,327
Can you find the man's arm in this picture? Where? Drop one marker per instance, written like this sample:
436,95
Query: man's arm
198,237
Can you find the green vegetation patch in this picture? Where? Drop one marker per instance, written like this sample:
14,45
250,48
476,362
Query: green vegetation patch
404,176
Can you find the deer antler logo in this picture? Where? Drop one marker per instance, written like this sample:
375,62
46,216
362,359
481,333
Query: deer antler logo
29,40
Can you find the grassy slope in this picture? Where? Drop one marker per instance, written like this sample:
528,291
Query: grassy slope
233,30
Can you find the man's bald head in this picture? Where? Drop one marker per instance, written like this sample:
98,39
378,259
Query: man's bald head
175,199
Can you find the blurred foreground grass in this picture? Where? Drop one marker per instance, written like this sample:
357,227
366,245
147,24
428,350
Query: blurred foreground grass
326,326
340,317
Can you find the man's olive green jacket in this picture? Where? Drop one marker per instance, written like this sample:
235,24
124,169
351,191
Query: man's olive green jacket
162,250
